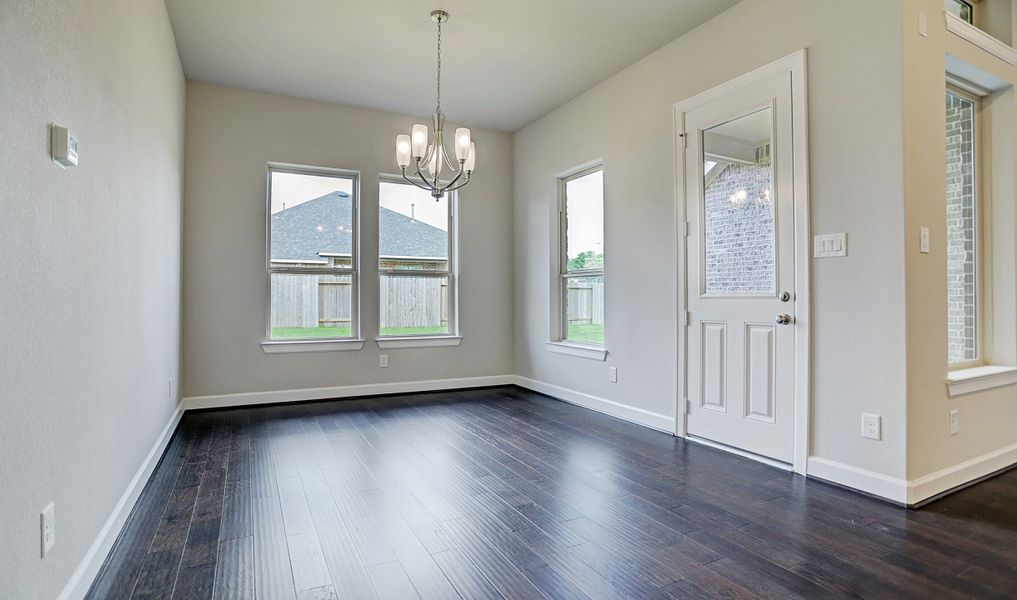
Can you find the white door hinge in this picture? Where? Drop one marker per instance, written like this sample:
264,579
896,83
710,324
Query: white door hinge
688,406
688,318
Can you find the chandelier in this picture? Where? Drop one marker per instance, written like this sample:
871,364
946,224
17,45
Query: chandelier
429,156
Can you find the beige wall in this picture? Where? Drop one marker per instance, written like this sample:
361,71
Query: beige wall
986,418
90,286
856,186
231,135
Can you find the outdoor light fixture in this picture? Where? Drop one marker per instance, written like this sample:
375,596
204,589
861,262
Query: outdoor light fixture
429,155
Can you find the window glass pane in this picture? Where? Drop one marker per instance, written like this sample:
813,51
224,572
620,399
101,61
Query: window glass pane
413,228
311,306
960,8
584,309
584,222
312,220
961,242
739,237
414,304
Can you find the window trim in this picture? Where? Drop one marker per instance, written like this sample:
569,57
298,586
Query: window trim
971,4
353,341
425,340
560,342
981,244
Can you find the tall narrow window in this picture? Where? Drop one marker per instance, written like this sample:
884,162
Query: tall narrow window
582,257
961,8
962,230
416,254
312,253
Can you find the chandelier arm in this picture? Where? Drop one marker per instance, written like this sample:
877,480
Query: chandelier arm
423,180
410,181
459,175
461,185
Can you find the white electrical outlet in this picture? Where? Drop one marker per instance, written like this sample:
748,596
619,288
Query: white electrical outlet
383,361
872,426
169,388
612,374
954,422
47,528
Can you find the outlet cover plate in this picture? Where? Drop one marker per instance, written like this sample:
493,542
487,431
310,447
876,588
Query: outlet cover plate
872,426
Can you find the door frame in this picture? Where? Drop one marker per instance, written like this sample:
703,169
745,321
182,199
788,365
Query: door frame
794,65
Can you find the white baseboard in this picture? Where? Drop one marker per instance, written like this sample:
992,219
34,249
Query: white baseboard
342,391
863,480
960,474
88,569
638,416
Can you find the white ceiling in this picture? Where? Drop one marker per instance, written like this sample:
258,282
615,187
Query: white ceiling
504,62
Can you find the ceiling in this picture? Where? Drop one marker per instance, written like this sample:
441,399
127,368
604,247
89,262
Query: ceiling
504,62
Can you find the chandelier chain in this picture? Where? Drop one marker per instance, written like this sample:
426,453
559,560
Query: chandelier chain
438,108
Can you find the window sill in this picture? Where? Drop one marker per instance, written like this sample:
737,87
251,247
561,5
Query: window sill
286,346
977,379
435,341
979,38
580,350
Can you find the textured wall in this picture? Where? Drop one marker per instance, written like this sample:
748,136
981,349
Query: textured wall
231,135
90,287
856,184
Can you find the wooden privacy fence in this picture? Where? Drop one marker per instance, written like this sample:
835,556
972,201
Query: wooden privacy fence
586,302
300,300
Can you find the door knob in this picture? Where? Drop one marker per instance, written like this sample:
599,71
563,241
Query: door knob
783,319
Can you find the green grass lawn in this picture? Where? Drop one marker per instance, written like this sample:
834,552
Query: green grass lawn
585,333
301,333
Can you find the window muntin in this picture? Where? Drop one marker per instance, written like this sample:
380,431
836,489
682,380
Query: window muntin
582,257
960,8
312,251
416,256
962,229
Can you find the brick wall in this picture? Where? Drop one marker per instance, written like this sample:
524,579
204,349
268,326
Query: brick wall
739,229
960,228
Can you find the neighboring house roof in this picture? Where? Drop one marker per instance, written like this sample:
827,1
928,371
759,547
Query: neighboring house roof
323,225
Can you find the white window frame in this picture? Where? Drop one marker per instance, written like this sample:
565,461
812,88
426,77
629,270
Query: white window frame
972,5
353,342
981,248
426,340
560,343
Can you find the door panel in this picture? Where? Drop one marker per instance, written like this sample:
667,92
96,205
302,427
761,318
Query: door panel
740,203
714,367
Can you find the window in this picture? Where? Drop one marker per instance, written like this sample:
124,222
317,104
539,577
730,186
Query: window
416,255
312,253
582,257
962,229
961,8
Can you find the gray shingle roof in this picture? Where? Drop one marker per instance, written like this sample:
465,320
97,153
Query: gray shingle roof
323,225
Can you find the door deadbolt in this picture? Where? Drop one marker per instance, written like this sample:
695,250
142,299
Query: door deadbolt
785,296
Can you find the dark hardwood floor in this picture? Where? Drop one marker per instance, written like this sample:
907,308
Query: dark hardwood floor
505,493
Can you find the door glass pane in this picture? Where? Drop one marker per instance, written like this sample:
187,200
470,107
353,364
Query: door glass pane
738,241
961,229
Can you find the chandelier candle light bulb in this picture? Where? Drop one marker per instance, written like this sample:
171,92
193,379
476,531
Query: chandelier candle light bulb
427,152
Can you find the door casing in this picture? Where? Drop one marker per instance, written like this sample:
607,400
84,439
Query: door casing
795,65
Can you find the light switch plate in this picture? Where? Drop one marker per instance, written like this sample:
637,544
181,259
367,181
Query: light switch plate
923,25
923,240
612,374
830,245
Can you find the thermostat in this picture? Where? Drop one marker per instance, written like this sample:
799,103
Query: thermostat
63,146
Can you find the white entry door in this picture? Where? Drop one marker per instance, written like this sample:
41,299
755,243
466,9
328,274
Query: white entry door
740,253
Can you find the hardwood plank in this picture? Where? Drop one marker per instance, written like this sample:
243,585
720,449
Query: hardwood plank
234,578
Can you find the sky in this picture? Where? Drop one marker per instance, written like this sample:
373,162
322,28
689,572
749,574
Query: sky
292,189
585,203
